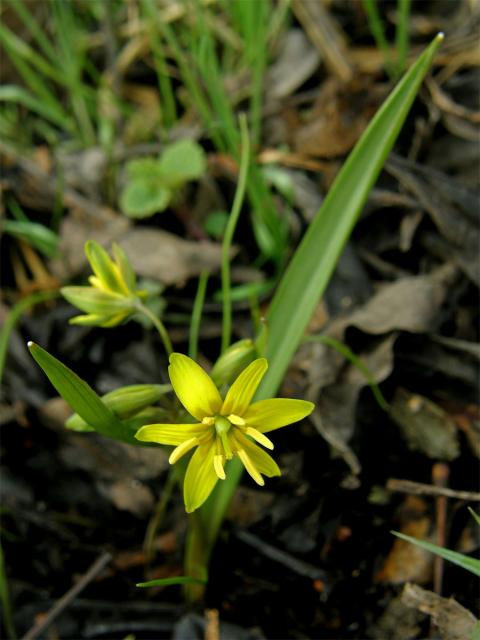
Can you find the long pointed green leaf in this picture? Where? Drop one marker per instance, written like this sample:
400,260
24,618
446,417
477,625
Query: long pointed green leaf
470,564
80,396
312,265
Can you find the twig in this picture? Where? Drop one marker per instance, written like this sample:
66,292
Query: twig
68,597
212,627
418,488
440,473
326,35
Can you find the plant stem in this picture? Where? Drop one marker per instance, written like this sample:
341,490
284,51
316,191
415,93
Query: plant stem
197,315
230,230
159,326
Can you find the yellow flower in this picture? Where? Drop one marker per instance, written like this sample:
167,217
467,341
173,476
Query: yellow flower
224,428
113,295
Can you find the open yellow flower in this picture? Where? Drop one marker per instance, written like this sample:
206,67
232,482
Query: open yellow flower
225,427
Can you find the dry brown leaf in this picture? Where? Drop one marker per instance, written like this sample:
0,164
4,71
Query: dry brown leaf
453,621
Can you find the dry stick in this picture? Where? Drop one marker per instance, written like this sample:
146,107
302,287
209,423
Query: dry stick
326,35
440,473
68,597
418,488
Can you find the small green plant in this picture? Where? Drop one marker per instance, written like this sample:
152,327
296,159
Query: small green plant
224,420
154,183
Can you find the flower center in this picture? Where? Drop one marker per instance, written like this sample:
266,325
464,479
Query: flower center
222,425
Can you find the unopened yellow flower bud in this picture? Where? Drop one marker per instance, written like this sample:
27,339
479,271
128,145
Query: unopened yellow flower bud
232,361
124,402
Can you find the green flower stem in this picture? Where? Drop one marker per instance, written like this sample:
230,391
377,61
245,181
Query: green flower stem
230,230
197,315
159,326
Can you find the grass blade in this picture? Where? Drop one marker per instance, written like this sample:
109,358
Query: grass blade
402,34
348,354
229,231
467,563
309,272
197,315
14,316
165,582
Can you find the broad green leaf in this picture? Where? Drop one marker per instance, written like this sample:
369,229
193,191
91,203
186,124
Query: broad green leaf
182,161
143,197
80,396
143,168
35,234
470,564
309,272
165,582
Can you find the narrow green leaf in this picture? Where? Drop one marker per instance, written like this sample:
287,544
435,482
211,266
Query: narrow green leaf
14,316
470,564
348,354
35,234
80,396
475,515
165,582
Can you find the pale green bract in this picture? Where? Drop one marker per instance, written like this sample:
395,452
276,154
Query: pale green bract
225,427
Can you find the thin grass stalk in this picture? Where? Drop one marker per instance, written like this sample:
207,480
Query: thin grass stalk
169,110
230,230
402,34
197,315
378,32
357,362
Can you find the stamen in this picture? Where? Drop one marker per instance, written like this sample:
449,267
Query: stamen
237,420
208,420
182,449
218,465
226,446
250,467
259,437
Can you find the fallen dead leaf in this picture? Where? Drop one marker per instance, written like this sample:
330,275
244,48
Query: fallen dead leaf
407,561
453,621
425,426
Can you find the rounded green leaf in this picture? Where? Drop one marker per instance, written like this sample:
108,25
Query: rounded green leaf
143,197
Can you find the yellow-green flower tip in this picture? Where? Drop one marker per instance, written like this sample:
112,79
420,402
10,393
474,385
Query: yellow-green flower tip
112,297
224,427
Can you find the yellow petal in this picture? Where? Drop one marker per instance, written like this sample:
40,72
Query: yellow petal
182,449
218,466
102,265
200,478
259,437
268,415
193,386
250,467
243,389
263,462
170,433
